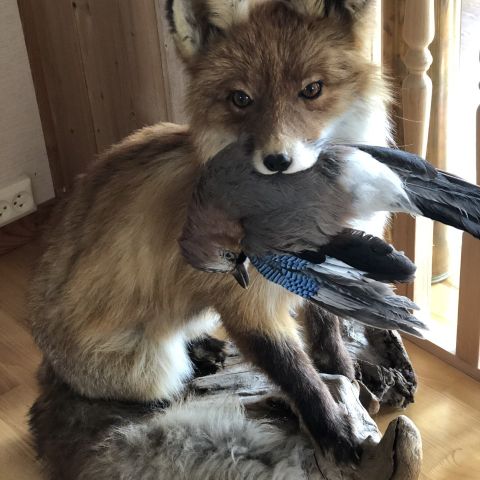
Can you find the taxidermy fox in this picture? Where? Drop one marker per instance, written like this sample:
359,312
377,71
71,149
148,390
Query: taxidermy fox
113,303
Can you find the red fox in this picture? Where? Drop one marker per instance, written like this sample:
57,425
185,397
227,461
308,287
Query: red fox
113,303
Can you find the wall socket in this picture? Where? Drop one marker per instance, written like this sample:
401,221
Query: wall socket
16,200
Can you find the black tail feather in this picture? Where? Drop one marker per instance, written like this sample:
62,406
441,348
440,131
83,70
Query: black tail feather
438,195
372,255
450,215
345,292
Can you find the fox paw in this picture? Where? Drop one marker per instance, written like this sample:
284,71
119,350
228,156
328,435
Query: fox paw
341,442
207,355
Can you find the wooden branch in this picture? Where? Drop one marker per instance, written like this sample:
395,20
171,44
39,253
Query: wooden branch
396,456
382,363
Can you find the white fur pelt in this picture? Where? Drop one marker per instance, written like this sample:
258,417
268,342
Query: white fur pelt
201,440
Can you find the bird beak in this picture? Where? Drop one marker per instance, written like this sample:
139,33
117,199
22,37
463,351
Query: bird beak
241,275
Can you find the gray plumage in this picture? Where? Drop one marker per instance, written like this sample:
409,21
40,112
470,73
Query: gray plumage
303,210
307,213
304,214
279,213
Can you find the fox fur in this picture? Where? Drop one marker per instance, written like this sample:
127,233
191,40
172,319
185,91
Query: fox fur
194,439
113,304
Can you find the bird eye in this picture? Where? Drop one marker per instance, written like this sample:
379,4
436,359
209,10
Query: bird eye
240,99
312,90
230,256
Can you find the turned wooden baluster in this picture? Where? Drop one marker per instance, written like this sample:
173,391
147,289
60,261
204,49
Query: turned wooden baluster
415,236
468,328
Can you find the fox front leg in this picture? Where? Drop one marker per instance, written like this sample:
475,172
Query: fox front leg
325,343
272,343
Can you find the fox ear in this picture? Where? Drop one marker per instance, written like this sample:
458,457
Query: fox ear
346,9
188,25
194,23
351,7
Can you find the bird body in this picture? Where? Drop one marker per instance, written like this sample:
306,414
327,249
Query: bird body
321,275
303,210
296,227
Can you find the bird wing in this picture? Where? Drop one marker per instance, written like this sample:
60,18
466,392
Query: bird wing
400,160
367,253
437,194
342,290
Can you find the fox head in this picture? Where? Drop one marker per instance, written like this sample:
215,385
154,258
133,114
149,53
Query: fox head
291,74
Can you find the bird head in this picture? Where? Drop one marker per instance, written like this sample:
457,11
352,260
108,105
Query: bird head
211,242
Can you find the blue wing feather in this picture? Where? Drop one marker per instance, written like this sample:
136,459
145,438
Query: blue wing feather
288,271
342,290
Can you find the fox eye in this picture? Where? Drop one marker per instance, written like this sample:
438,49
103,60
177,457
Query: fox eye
312,90
240,99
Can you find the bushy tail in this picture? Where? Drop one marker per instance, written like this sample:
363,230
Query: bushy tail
80,438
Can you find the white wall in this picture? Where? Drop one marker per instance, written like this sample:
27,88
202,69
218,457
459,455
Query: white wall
22,147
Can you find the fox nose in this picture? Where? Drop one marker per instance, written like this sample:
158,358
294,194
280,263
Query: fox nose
277,162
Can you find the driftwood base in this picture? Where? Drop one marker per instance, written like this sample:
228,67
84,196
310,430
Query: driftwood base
382,363
233,424
396,456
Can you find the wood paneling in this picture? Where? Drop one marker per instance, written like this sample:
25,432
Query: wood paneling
120,53
173,75
100,70
58,58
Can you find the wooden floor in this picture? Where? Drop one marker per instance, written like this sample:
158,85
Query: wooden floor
447,409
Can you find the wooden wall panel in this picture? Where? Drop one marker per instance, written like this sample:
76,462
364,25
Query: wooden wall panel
172,68
62,69
100,70
122,64
60,63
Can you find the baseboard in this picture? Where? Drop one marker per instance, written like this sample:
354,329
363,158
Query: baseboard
447,357
26,229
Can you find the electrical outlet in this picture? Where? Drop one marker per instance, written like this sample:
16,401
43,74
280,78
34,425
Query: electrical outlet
16,200
5,212
23,202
